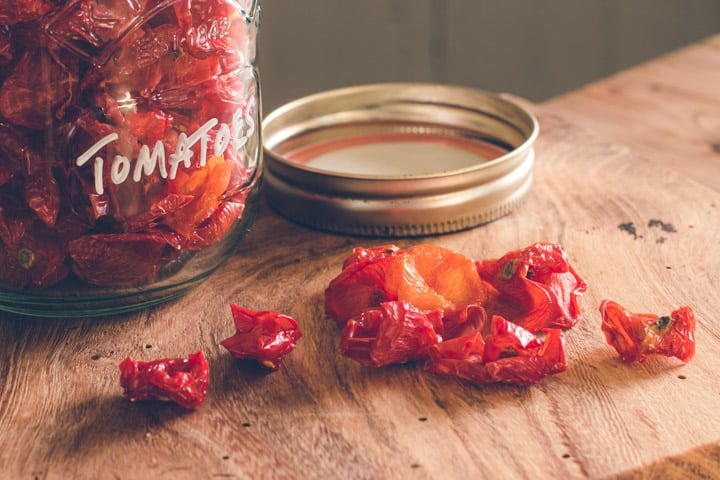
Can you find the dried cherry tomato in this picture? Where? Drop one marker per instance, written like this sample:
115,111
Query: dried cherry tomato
206,186
509,354
38,259
635,335
394,332
32,100
359,286
15,219
215,227
125,259
536,287
431,277
16,11
15,153
179,380
42,194
6,53
266,336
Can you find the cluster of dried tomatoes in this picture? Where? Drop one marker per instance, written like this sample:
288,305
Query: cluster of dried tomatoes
486,321
120,126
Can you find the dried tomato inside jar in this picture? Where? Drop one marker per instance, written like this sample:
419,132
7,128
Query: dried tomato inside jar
129,142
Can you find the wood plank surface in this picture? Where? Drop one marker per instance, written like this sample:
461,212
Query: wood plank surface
324,416
666,110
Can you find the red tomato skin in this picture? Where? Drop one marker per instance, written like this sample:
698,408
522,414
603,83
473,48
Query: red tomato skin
265,336
636,335
179,380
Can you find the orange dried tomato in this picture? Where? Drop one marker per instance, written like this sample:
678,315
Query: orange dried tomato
207,186
431,277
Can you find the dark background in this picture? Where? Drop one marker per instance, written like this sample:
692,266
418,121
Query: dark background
533,48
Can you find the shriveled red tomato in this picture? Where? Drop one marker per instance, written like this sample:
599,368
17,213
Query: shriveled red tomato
16,11
636,335
33,100
394,332
15,219
361,284
206,185
117,259
431,277
266,336
535,286
37,259
179,380
14,152
42,194
509,354
216,226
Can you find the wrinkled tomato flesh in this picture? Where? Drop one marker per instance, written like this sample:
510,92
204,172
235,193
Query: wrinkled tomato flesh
266,336
637,335
180,380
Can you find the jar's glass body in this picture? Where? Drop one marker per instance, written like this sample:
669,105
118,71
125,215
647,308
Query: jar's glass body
130,151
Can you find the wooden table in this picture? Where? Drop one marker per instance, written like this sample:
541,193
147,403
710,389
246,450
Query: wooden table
639,147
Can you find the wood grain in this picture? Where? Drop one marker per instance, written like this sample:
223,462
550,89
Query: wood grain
666,110
324,416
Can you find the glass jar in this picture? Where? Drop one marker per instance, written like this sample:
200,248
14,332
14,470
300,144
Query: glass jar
130,152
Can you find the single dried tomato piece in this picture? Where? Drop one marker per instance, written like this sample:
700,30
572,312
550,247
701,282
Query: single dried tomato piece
16,11
394,332
33,100
6,53
266,336
37,259
179,380
536,287
126,259
42,194
160,207
217,226
15,219
12,273
206,185
431,277
15,153
148,127
509,354
359,286
86,27
635,335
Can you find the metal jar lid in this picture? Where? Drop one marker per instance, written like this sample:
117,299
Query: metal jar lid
398,159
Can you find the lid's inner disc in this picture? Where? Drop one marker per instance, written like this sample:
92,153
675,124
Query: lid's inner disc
395,154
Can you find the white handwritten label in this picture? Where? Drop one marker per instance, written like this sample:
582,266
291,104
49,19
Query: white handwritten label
236,135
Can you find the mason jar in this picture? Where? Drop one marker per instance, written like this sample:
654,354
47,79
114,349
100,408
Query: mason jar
130,150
